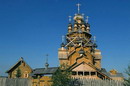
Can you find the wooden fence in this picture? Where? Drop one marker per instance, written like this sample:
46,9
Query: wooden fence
15,82
75,82
94,82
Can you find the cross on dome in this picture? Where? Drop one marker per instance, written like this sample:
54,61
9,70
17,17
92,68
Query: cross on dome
94,38
87,19
78,5
46,64
83,15
63,37
70,18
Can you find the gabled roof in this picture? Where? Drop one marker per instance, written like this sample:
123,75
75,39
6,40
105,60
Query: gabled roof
103,70
89,64
17,64
76,64
42,71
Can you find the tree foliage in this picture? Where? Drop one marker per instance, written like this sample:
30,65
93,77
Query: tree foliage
18,74
62,76
128,79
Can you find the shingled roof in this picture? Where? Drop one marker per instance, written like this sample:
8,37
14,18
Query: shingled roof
43,71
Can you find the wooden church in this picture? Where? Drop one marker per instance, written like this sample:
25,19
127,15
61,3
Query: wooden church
78,50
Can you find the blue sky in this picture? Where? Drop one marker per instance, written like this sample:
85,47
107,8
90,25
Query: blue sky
33,28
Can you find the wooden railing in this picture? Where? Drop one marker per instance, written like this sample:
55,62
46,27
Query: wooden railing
96,82
15,82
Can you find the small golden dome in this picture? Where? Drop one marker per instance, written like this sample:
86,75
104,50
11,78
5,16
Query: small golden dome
113,71
78,17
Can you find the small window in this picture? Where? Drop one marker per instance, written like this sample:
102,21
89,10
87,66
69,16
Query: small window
80,73
74,73
86,73
24,64
26,75
93,73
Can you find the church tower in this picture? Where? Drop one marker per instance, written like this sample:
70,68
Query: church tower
79,45
79,51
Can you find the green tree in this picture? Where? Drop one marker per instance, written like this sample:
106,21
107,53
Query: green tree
18,74
127,81
62,76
